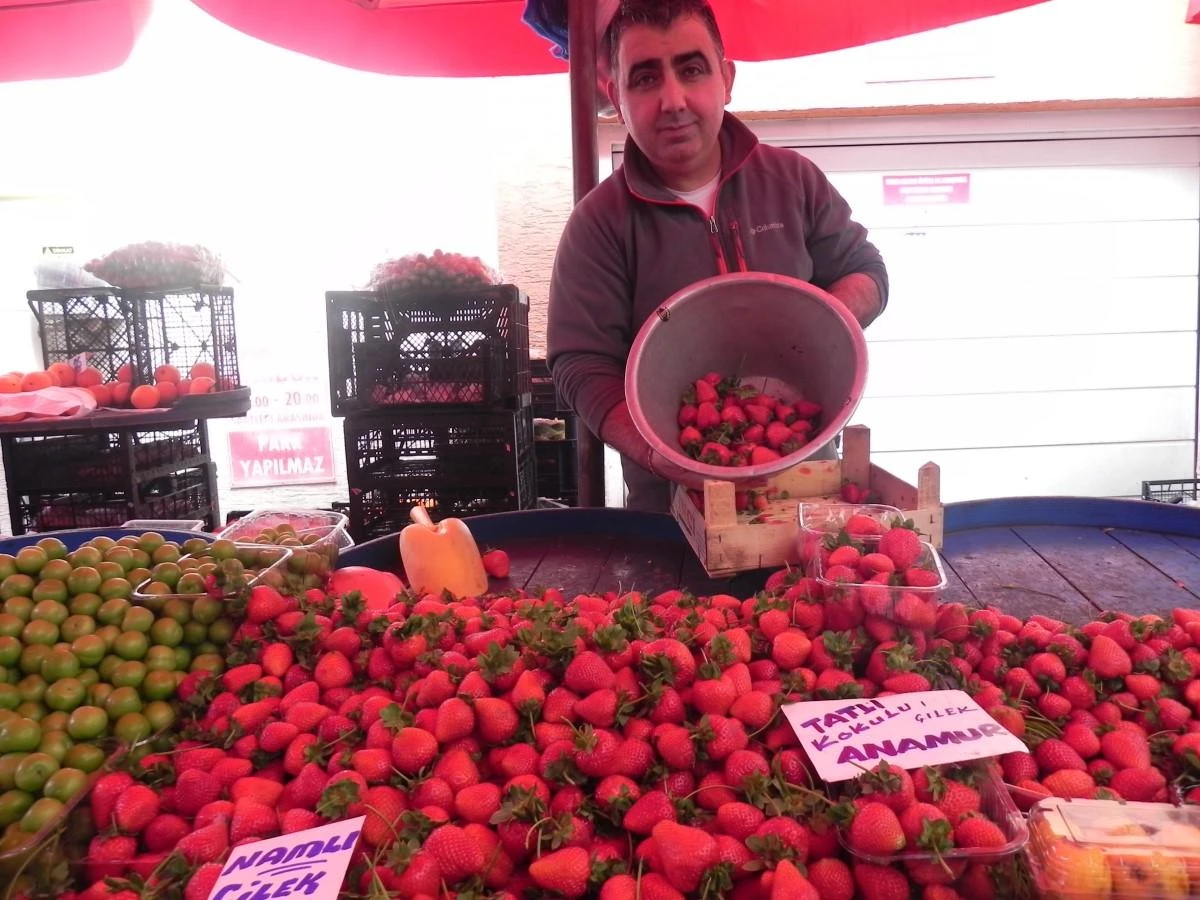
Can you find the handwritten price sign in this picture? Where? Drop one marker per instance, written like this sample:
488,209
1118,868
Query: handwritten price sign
845,737
309,864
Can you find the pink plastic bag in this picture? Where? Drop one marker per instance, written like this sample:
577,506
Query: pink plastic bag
47,403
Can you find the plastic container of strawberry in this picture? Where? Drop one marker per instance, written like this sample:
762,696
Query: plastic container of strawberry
1100,848
262,564
822,522
908,605
49,857
949,866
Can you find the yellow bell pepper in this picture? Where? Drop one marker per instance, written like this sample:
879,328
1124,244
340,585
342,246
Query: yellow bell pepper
441,556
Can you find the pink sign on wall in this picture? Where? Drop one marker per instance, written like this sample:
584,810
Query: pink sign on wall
926,189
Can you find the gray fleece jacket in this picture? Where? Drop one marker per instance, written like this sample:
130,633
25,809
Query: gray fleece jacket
630,244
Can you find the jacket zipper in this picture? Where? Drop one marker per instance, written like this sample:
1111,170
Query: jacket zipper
714,237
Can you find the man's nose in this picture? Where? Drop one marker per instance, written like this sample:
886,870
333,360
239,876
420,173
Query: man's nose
673,94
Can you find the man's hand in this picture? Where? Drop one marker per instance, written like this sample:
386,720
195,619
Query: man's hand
860,294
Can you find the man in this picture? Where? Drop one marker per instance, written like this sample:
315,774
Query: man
697,196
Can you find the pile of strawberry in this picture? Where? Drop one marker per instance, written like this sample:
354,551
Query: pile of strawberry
620,746
723,422
437,271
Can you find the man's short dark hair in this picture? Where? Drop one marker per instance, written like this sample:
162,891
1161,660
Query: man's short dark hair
659,14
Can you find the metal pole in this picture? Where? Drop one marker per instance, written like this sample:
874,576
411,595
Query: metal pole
581,40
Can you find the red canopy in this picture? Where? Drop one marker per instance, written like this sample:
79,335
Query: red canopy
488,37
66,38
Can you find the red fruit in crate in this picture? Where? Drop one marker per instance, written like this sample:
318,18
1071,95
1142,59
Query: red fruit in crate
903,545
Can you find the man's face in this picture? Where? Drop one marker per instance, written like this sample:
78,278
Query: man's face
670,89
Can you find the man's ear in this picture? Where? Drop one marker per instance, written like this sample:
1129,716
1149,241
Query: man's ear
610,90
730,70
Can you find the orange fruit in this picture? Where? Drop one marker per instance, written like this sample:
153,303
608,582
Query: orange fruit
35,381
88,377
10,384
125,374
201,385
120,393
64,372
185,386
144,396
168,393
103,394
166,372
203,370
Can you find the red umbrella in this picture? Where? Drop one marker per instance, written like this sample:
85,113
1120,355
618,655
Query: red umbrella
66,38
489,38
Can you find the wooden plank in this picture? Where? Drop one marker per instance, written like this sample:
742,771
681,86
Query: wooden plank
956,589
524,558
1176,562
647,566
572,564
1103,569
1000,569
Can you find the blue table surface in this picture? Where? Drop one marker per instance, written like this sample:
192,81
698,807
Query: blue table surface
1063,556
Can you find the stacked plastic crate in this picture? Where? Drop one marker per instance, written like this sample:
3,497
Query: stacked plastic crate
435,391
87,474
554,440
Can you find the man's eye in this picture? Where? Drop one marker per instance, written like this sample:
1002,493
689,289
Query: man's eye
643,81
693,71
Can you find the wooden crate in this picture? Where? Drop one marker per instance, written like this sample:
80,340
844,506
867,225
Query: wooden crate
727,542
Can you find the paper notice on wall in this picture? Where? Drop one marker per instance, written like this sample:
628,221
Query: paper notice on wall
926,189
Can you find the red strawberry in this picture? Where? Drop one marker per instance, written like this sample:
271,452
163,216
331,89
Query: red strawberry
276,736
204,845
496,563
875,830
1139,785
383,808
754,709
647,811
458,857
413,749
105,793
684,853
252,819
277,659
455,721
333,670
1108,659
978,831
790,649
588,672
789,884
307,716
229,770
202,881
1081,739
1053,755
478,802
109,856
901,545
890,785
135,809
422,877
496,720
1070,783
265,604
239,678
915,822
1126,749
957,800
299,820
164,832
832,878
565,872
880,882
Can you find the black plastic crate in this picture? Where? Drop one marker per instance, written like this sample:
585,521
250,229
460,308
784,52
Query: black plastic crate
454,462
557,471
185,494
145,329
1178,490
101,460
547,404
477,448
463,347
